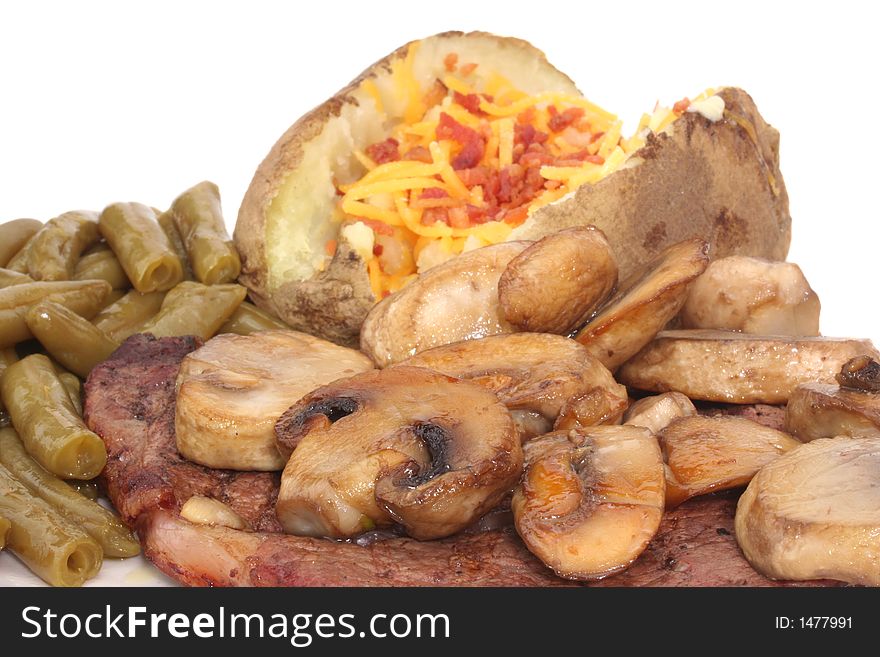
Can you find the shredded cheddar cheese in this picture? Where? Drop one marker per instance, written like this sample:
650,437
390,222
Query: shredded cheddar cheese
470,159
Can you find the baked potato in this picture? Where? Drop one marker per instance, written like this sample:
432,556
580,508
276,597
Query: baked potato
459,141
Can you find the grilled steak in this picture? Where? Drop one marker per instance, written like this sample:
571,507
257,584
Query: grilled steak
129,402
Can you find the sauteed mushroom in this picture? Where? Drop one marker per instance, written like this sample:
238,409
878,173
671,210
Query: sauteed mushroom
534,373
646,302
590,499
404,444
456,300
752,295
657,411
557,283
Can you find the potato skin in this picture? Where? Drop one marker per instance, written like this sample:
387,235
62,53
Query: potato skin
708,180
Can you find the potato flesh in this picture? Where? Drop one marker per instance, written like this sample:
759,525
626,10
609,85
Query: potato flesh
815,513
820,410
710,454
724,366
752,295
231,391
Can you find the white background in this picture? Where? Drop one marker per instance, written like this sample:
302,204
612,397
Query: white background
112,101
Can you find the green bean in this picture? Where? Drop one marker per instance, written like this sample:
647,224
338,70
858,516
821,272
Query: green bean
14,235
102,265
76,343
248,319
47,421
54,548
4,530
88,489
195,309
126,317
10,277
85,298
199,219
111,533
142,247
73,386
53,254
166,220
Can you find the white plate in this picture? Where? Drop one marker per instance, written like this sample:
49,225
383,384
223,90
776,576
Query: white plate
136,571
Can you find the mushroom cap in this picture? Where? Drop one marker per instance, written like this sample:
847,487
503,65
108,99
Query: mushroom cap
534,372
404,445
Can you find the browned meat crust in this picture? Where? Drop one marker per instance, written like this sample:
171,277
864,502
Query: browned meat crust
130,404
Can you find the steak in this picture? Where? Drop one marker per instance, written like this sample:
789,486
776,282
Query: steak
129,402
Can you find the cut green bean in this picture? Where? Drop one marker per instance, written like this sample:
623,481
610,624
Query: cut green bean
76,343
166,220
126,317
85,298
111,533
248,319
199,220
195,309
141,246
53,254
88,489
47,421
49,544
102,265
14,235
73,386
10,277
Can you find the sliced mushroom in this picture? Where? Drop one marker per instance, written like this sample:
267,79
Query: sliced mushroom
656,412
590,500
404,445
456,300
822,410
710,454
725,366
557,283
231,391
752,295
860,373
550,375
815,513
646,302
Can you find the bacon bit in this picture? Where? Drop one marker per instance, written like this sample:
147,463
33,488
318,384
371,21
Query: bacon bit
560,121
458,217
450,61
449,128
379,227
682,105
516,216
384,151
553,184
526,134
377,250
433,197
476,215
527,116
469,156
432,215
330,247
435,94
596,137
474,177
467,69
418,154
471,102
433,192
